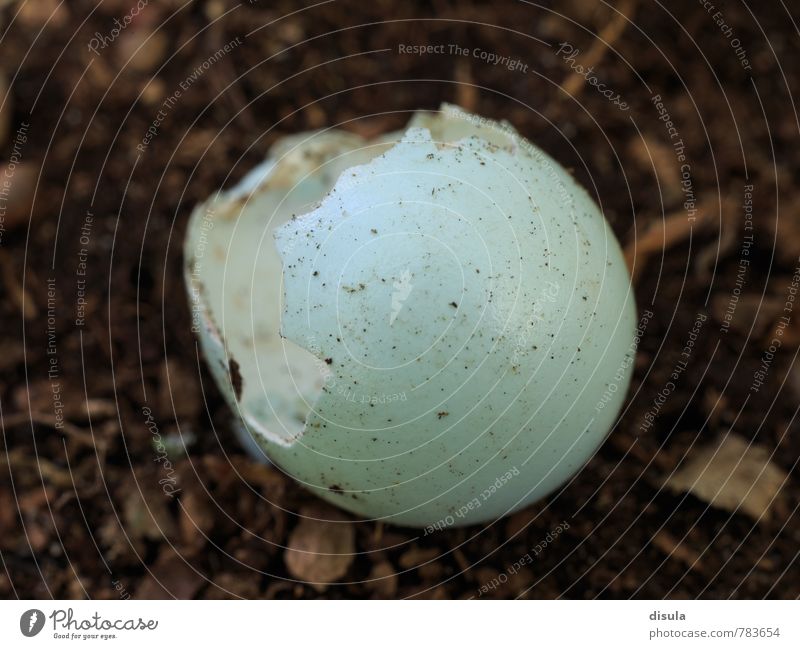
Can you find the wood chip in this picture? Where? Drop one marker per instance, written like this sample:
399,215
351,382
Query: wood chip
670,546
170,577
21,180
416,556
142,48
383,580
146,517
37,15
197,516
733,475
466,91
320,551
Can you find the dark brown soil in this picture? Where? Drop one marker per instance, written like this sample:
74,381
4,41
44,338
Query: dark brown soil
83,511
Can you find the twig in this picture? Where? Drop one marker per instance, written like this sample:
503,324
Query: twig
605,39
76,433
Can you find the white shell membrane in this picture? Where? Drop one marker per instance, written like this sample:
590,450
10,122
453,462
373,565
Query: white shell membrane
431,331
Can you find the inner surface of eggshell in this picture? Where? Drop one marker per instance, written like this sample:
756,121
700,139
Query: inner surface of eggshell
233,273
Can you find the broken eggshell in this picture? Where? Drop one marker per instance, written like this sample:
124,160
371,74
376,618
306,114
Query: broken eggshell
431,328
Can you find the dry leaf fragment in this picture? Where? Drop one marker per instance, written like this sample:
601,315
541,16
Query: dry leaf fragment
733,475
320,551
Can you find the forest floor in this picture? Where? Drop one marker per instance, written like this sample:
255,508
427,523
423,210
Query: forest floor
96,328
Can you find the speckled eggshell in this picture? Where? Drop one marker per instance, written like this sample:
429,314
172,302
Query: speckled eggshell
458,306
